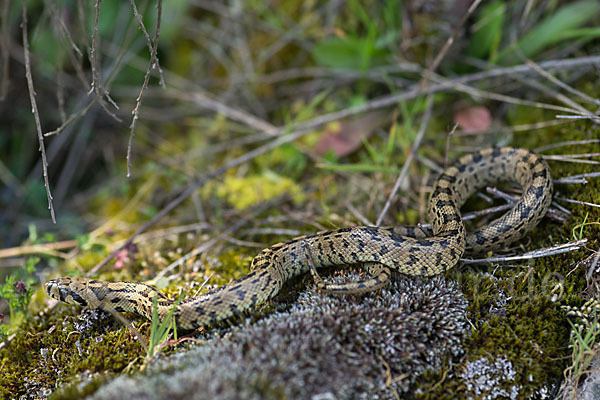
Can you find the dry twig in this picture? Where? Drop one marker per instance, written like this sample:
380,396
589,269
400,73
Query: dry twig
151,65
545,252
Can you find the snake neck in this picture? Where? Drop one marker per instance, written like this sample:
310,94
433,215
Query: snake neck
226,301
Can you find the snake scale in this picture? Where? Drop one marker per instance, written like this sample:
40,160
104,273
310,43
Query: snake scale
408,250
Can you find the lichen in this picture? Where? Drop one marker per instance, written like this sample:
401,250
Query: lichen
349,348
484,378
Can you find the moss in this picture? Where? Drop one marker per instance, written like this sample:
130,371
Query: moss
59,348
245,192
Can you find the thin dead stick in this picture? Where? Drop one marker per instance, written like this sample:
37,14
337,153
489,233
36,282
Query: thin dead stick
61,28
148,40
96,99
448,138
273,231
12,262
37,248
565,143
587,116
409,159
568,180
176,230
545,252
151,65
592,268
560,208
357,214
581,178
583,203
11,181
500,194
34,110
322,72
570,159
575,155
141,338
234,114
97,85
243,243
93,62
551,92
473,215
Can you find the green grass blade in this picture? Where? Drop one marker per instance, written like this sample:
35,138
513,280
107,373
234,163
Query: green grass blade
487,31
551,29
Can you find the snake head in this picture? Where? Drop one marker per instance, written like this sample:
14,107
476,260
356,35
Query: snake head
67,289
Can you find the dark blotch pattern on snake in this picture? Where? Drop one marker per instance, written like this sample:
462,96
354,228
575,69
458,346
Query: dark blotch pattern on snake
408,250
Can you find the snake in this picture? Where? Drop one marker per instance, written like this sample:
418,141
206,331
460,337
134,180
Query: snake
409,250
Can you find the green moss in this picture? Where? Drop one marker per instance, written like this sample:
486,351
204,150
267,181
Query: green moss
59,347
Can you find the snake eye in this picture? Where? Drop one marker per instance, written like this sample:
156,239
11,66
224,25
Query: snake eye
51,289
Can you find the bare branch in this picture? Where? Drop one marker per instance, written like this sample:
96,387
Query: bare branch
93,62
151,65
34,110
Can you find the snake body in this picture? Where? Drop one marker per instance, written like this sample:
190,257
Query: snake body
408,250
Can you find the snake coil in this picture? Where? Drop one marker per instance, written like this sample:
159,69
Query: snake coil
408,250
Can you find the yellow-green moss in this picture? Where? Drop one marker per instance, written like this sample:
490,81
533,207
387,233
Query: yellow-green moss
245,192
